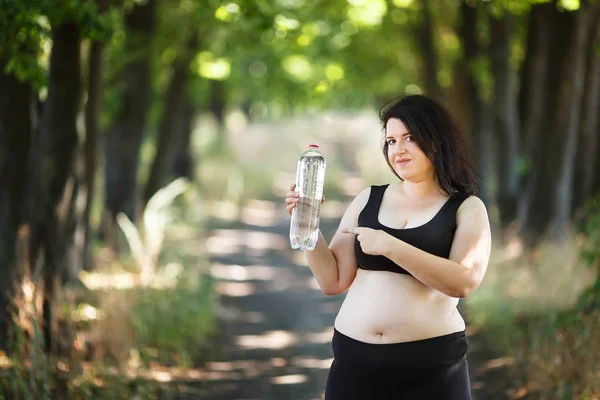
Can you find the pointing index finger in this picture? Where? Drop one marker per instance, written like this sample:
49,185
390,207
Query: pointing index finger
354,230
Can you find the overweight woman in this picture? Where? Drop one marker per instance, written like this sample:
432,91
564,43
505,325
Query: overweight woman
406,252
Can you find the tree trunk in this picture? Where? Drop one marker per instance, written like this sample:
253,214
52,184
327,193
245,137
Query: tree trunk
571,92
184,162
218,102
534,72
506,117
92,107
59,133
16,104
94,96
588,143
551,183
426,46
539,80
171,131
480,125
127,131
595,189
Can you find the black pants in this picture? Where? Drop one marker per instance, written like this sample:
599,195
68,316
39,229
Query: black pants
433,368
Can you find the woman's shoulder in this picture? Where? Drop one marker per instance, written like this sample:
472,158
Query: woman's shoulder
471,199
361,199
471,205
366,191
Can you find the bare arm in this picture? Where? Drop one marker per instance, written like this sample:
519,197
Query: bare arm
334,266
463,271
457,276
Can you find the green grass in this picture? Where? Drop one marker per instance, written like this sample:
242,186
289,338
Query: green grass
527,307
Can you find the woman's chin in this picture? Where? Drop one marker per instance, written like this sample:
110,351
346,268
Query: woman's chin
403,174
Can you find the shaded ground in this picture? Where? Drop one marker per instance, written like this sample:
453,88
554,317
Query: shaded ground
277,325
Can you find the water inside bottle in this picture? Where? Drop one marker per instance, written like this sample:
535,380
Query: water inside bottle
304,229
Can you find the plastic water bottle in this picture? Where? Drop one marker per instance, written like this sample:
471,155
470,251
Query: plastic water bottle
310,177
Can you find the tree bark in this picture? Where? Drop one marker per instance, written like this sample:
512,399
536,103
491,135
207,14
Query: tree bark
91,145
218,101
126,133
429,58
549,189
16,105
538,81
59,133
506,117
171,130
534,71
572,90
94,96
480,126
595,189
590,127
184,162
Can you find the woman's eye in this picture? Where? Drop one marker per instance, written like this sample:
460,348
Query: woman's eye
409,138
391,142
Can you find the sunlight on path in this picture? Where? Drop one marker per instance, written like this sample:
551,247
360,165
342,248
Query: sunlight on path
231,241
276,325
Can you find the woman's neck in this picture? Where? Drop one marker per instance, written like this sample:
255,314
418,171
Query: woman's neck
420,190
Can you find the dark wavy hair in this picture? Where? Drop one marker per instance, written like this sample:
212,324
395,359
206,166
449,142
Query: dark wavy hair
438,135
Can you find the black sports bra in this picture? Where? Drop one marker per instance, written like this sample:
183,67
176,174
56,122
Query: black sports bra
435,236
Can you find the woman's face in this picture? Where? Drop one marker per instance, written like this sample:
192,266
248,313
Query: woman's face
404,155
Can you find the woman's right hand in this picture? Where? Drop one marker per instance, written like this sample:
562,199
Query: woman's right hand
291,199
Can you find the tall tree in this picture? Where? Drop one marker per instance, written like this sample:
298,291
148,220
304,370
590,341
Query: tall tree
472,68
183,165
124,137
534,80
56,217
20,77
506,119
426,43
585,21
587,151
217,105
550,185
172,128
16,105
91,144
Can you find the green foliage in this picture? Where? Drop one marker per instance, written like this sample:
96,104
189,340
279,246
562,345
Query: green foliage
547,338
24,381
305,53
22,30
175,321
83,13
590,253
26,26
287,57
553,350
171,325
517,7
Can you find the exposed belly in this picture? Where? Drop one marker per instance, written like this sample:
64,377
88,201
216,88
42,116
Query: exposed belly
386,307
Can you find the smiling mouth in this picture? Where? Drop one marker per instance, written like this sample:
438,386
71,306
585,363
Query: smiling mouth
403,161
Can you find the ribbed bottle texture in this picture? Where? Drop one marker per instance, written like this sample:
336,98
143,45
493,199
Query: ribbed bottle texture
310,177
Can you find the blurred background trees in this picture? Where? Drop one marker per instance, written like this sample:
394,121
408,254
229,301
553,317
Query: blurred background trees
100,102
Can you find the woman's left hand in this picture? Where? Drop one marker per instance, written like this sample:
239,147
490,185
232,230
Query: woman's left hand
372,241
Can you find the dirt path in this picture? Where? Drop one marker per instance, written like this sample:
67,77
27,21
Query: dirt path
275,342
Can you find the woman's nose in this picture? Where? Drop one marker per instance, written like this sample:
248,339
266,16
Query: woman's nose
399,148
